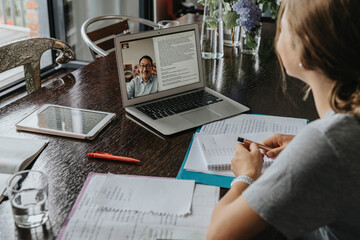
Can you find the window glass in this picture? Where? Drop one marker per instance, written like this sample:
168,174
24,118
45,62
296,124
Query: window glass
78,11
21,19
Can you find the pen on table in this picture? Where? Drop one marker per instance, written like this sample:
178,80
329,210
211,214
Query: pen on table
109,156
248,142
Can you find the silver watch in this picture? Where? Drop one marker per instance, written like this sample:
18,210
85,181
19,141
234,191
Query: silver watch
245,179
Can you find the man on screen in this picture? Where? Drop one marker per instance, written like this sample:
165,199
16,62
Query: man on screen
145,83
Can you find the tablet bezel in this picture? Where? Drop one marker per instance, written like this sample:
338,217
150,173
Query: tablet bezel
23,124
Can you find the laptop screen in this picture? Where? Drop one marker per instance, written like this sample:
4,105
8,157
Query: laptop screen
159,63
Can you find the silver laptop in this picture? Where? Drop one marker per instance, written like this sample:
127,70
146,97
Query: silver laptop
162,82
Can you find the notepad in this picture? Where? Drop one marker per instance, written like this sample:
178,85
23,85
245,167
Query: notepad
218,150
195,165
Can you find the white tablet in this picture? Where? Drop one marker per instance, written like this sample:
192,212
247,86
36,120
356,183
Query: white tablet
66,121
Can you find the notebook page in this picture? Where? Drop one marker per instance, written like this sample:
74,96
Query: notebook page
240,125
250,123
218,150
146,194
88,219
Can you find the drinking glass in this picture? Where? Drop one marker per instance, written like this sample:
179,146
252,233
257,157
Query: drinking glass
28,194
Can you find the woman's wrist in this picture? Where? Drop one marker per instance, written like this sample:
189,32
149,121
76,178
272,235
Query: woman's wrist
243,178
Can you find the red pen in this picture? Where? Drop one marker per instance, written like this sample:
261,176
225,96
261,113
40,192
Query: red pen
248,142
109,156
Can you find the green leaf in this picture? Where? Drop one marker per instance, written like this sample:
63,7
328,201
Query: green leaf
250,40
265,7
212,23
201,2
216,13
230,19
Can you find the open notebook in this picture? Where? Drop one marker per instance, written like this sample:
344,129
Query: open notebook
250,126
16,155
218,150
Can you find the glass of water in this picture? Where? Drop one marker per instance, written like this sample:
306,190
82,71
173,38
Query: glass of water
28,194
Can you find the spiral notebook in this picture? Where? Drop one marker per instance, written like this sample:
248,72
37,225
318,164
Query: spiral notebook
218,150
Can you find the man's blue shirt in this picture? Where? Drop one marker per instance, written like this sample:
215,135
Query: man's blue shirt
138,87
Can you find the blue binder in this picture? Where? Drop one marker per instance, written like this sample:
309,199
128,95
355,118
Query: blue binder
204,178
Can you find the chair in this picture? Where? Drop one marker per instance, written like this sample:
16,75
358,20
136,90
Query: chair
27,52
101,40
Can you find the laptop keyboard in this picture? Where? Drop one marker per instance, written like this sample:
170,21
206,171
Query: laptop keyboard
171,106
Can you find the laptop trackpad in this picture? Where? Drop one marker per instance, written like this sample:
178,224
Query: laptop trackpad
201,115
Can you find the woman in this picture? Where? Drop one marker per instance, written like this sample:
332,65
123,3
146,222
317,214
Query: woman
312,191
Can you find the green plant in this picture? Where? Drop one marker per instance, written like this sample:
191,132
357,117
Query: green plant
273,5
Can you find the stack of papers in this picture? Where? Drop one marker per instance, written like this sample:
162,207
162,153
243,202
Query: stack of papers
144,194
209,156
90,220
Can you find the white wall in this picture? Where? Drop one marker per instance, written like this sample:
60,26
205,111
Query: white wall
138,49
85,9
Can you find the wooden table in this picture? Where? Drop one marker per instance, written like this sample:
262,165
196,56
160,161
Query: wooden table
252,80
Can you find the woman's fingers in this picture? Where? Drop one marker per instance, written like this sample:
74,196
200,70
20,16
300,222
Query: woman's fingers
278,142
247,162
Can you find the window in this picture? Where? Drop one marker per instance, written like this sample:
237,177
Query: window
21,19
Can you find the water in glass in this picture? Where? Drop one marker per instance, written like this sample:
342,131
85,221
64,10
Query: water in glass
30,208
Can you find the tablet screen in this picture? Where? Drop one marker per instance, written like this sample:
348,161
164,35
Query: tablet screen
66,121
69,119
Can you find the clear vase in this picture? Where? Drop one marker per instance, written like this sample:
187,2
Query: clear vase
250,40
232,36
212,40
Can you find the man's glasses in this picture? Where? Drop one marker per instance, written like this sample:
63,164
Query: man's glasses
148,66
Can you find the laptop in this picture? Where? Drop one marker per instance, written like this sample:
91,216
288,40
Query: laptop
162,82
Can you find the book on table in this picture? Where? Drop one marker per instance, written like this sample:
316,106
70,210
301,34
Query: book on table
15,155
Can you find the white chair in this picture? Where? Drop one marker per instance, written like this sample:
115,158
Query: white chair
101,40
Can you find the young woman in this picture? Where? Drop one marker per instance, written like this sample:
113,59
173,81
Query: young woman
312,191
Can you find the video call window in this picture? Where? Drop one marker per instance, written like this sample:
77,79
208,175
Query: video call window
160,63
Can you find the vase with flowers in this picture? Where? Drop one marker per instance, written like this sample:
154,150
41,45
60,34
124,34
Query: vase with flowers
249,20
241,20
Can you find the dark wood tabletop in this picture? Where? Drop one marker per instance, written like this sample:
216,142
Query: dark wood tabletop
254,81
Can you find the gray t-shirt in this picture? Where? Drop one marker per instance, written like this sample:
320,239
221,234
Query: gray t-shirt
312,190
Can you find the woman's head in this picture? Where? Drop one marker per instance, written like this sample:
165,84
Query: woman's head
324,36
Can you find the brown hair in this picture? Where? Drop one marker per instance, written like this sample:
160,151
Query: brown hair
328,40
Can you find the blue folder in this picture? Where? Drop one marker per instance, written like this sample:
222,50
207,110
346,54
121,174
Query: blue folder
204,178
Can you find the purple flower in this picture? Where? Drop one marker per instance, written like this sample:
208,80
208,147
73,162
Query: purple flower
250,14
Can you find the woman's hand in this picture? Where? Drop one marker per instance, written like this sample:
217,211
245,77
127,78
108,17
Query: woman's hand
278,142
247,162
